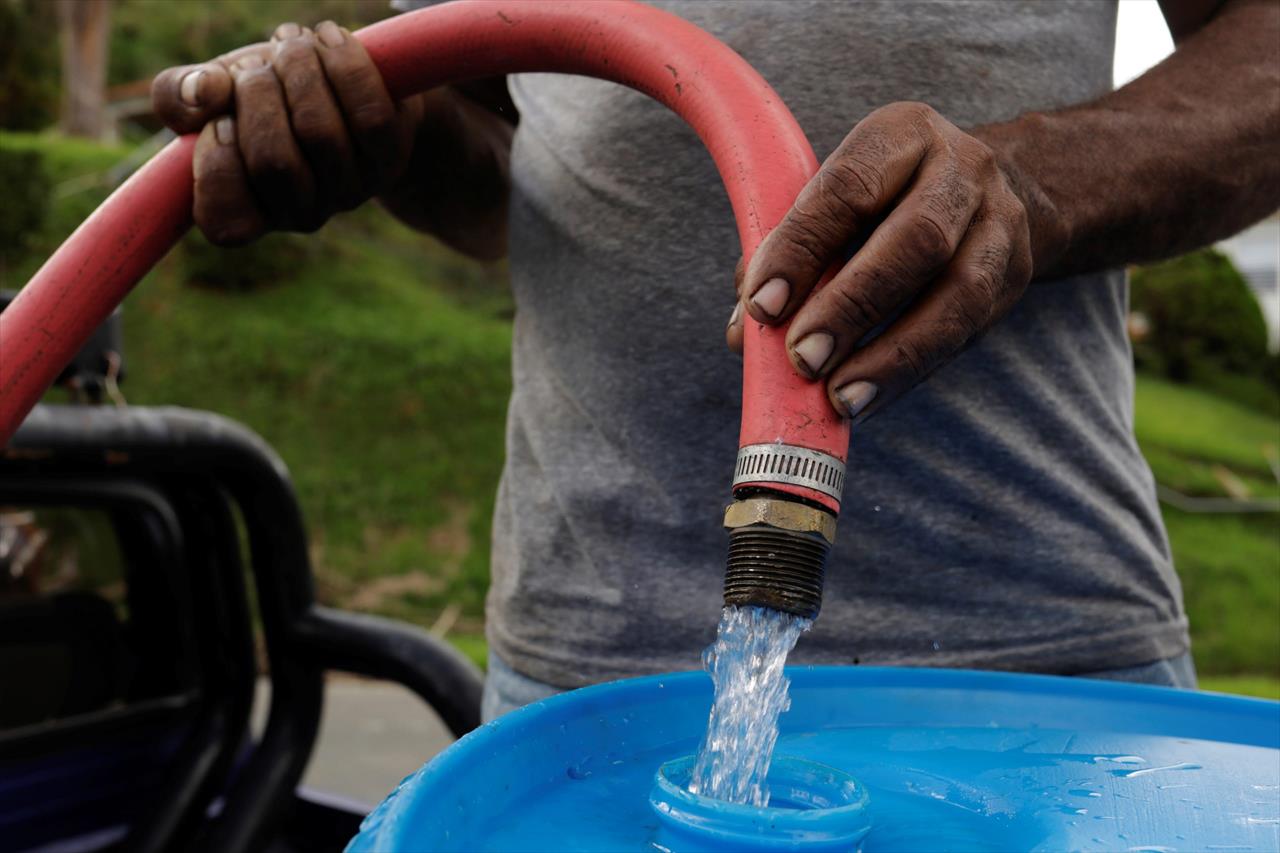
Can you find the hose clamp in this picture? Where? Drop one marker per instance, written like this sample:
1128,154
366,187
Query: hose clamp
794,466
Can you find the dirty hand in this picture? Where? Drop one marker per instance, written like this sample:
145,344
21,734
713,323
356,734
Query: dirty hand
291,131
947,252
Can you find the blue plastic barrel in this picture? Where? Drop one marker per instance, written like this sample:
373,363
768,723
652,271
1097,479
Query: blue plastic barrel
869,759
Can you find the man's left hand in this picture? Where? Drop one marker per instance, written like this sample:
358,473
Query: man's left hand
947,253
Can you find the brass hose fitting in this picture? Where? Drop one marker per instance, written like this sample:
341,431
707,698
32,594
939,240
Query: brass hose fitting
777,554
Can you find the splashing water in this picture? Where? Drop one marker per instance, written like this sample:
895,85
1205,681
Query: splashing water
745,663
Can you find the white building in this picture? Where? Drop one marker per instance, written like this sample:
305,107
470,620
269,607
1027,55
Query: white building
1256,253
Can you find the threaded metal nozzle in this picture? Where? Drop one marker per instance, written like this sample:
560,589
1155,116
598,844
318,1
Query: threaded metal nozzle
773,566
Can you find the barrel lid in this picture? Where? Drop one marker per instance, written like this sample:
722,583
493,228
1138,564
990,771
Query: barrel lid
949,759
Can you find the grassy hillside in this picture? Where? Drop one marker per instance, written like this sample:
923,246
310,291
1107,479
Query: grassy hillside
377,364
1229,563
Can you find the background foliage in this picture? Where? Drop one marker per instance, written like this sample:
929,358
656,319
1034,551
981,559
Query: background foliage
28,64
1206,327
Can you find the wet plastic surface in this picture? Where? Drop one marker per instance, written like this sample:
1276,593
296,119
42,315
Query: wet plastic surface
952,760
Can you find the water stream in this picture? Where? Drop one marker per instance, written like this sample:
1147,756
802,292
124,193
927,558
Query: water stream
745,664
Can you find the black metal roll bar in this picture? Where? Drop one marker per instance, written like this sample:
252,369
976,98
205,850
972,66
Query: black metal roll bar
195,456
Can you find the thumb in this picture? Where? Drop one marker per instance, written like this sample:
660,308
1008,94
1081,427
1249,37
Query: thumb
187,97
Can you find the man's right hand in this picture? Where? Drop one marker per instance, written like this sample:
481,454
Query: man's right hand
291,131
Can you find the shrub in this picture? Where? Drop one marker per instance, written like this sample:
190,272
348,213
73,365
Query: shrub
1203,318
26,204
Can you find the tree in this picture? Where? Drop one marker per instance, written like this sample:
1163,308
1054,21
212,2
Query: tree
83,27
28,65
1204,319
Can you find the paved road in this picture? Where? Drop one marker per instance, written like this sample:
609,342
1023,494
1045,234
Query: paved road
372,735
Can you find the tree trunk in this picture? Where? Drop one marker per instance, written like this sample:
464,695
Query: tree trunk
83,27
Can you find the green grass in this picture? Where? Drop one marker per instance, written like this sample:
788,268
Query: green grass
384,396
1198,426
1230,570
1243,685
1229,563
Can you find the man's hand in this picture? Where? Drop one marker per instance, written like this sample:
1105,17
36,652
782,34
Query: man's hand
947,253
291,131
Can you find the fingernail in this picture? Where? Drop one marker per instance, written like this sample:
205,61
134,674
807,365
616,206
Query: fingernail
288,31
330,34
772,297
814,349
189,89
737,312
224,131
248,63
855,396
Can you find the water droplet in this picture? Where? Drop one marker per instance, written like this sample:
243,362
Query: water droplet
1129,774
877,508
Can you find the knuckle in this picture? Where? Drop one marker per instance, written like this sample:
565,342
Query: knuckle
373,115
984,157
270,164
929,240
908,109
810,234
293,52
855,309
314,125
256,85
978,291
978,159
965,318
918,113
348,70
911,357
216,171
1017,215
855,185
301,75
1020,268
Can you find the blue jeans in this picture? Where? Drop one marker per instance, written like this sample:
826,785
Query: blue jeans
505,689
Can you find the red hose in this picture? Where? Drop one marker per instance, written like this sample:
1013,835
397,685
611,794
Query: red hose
763,157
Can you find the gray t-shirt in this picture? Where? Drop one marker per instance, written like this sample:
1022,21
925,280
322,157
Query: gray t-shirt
1000,516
